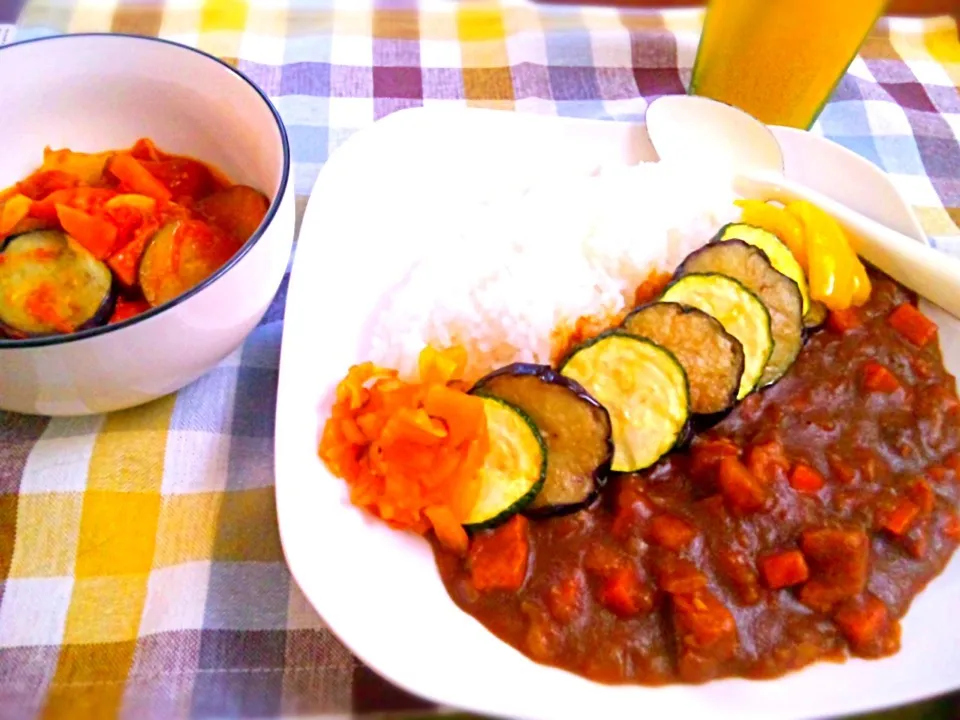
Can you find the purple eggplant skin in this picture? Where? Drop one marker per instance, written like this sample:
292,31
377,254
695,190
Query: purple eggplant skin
99,317
547,375
702,423
686,434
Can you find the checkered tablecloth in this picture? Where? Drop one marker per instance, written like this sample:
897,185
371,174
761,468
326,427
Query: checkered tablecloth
140,564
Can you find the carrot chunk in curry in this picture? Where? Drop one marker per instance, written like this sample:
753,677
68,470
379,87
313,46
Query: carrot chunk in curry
742,488
671,532
706,456
839,564
804,478
865,623
877,378
784,569
498,558
898,517
842,321
706,633
913,324
922,495
739,571
625,594
767,461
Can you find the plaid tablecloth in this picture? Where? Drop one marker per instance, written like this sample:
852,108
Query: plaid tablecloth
140,565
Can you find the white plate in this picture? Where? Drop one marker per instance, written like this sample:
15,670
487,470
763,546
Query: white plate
379,590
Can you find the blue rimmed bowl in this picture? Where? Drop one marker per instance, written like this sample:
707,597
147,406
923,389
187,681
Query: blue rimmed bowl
100,91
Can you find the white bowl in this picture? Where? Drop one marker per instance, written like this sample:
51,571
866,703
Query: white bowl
98,92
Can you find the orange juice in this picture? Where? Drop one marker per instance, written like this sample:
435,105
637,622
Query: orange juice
779,59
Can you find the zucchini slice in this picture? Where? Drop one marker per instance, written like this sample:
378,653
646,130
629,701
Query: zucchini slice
711,357
179,256
50,284
749,265
574,426
776,251
515,466
741,313
644,389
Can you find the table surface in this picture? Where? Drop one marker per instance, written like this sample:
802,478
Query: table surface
140,564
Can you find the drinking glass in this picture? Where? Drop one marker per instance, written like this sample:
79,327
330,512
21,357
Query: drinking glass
780,59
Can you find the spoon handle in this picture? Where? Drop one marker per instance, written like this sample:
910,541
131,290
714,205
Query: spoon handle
930,273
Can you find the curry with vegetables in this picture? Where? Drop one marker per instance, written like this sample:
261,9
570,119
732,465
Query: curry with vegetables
797,529
95,238
757,468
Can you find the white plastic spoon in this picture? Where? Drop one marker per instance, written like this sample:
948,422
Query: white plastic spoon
713,137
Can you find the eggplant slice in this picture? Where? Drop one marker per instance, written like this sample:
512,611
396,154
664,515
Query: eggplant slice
644,389
514,469
741,313
711,357
52,285
750,266
574,426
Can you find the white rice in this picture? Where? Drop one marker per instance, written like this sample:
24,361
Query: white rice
532,261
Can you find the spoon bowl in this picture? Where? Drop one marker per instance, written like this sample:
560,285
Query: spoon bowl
694,130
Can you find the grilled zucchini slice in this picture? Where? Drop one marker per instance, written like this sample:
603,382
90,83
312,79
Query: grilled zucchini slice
711,357
514,469
644,389
749,265
741,313
574,426
776,251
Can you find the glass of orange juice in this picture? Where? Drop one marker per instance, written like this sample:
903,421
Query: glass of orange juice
780,59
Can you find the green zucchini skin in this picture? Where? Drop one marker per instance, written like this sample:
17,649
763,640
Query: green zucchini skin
554,499
50,259
674,435
501,511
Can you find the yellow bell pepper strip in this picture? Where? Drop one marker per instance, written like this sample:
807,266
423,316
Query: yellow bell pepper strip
859,281
777,220
12,212
829,268
862,286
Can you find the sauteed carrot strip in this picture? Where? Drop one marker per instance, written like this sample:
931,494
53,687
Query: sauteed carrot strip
12,212
128,170
95,234
410,452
